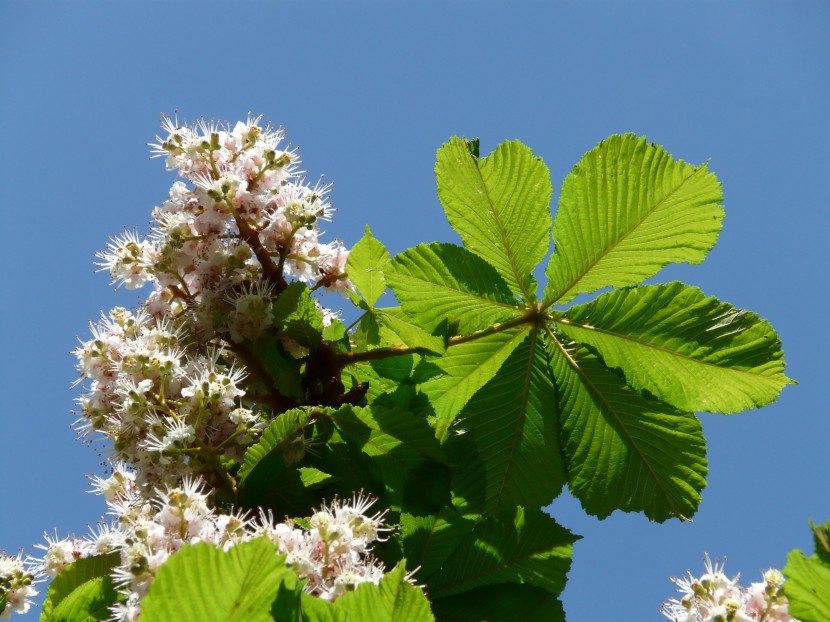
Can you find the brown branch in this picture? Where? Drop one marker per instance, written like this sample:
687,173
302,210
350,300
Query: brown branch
273,398
251,238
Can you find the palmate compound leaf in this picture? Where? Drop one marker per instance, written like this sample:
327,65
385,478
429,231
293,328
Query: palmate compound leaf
201,582
509,452
626,210
691,351
499,205
624,450
523,545
442,282
466,368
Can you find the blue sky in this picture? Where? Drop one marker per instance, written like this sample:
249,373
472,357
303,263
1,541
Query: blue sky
369,91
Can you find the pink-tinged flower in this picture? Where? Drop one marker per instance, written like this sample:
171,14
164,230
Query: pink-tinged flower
714,597
129,260
18,579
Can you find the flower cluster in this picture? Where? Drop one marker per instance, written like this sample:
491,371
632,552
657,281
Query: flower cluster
166,383
18,578
714,597
168,411
333,554
220,245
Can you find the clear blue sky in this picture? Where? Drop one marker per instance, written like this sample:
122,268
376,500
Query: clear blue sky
369,91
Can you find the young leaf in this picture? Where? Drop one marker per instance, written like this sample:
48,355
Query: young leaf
623,450
467,367
626,210
523,546
509,454
365,266
435,282
82,591
201,582
693,352
394,599
500,206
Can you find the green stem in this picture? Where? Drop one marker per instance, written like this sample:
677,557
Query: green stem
342,359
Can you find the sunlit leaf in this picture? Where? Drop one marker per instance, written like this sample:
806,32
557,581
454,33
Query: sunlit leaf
499,205
626,210
624,450
694,352
466,368
201,582
83,591
439,282
509,452
365,266
394,599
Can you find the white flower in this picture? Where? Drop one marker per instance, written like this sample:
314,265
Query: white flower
715,598
128,259
18,578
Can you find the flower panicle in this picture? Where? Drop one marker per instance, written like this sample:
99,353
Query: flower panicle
714,597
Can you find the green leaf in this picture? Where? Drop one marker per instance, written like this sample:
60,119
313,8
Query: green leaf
365,266
83,590
626,210
283,369
297,316
334,331
693,352
315,609
429,540
402,448
506,602
523,546
280,434
509,454
314,478
807,587
467,367
201,582
500,206
384,374
622,449
394,599
396,328
439,282
821,541
367,334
